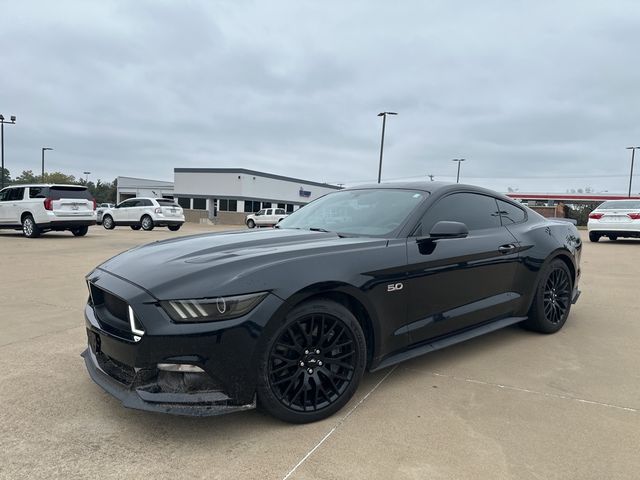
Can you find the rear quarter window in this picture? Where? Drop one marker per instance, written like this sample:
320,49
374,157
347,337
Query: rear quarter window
511,214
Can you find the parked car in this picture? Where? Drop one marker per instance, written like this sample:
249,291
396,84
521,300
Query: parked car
100,211
615,219
145,213
266,217
290,318
40,208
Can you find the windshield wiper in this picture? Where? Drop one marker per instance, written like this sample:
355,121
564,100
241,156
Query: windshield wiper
324,230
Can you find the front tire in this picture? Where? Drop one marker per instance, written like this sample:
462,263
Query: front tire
147,223
135,227
552,302
80,231
312,365
108,223
594,237
29,227
251,223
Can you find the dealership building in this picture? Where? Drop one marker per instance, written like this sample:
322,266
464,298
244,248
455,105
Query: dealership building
229,194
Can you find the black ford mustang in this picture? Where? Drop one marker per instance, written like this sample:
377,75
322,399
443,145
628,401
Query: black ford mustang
289,318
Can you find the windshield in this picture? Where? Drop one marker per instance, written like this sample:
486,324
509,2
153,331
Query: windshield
374,212
620,205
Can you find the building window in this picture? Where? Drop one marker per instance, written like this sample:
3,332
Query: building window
289,208
184,202
281,205
251,206
266,204
233,206
223,204
199,203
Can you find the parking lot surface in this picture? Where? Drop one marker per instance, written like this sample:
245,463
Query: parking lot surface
509,405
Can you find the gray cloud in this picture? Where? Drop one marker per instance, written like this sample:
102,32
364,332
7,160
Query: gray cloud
522,90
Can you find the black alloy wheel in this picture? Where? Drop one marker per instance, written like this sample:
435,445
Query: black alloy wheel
315,363
557,296
552,302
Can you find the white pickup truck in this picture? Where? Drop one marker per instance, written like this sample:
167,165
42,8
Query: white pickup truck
265,217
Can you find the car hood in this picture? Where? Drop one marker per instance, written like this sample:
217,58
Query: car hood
227,263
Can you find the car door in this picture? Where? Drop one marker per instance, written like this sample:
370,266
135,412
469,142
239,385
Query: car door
259,217
121,211
269,218
136,210
14,205
4,206
457,283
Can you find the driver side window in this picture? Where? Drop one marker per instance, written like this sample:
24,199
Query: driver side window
476,211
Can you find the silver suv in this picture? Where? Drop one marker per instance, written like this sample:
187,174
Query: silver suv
145,213
36,209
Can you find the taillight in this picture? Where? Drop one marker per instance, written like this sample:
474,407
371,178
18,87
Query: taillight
634,216
94,204
48,204
596,216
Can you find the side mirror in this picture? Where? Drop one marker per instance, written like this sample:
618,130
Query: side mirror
446,229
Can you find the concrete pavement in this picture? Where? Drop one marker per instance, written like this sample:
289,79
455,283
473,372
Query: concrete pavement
512,405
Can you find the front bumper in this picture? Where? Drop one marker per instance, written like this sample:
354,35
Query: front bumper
125,365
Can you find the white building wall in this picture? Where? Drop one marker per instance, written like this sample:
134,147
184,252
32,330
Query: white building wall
230,185
142,187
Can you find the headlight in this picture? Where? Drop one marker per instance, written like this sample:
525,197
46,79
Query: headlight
212,309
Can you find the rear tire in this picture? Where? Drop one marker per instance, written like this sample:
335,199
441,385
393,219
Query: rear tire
147,223
29,227
135,227
552,301
174,228
251,223
594,237
312,365
108,223
613,238
80,231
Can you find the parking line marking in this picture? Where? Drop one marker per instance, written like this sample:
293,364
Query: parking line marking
545,394
340,422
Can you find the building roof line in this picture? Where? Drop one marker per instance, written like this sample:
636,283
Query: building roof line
256,173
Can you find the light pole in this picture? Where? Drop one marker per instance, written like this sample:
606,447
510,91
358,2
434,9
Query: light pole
43,149
86,178
633,154
459,160
2,122
384,121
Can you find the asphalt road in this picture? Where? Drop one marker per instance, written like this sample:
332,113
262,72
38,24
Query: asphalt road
510,405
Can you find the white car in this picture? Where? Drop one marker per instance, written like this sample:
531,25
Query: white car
100,210
39,208
266,217
145,213
615,219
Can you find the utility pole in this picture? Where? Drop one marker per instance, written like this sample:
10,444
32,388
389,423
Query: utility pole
43,150
384,121
430,177
633,154
2,122
459,160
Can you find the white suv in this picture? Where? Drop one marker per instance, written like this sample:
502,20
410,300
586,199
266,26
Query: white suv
266,216
35,209
145,213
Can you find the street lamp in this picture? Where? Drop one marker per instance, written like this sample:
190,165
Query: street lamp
384,121
2,122
86,178
43,149
633,154
459,160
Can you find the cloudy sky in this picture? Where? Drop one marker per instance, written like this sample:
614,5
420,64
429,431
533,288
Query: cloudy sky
539,96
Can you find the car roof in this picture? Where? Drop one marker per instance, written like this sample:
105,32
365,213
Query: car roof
434,187
46,185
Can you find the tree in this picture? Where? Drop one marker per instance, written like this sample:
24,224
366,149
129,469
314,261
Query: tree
26,176
7,177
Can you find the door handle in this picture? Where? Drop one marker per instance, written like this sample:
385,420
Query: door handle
506,248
